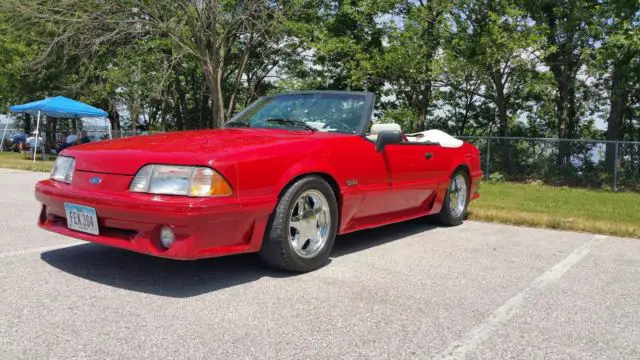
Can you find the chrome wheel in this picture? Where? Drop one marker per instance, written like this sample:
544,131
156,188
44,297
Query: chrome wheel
457,195
309,224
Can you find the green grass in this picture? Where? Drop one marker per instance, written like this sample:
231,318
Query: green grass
14,160
559,208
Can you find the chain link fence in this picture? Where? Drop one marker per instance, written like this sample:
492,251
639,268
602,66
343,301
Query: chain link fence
117,134
611,165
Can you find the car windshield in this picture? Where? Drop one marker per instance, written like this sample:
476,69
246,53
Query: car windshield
328,112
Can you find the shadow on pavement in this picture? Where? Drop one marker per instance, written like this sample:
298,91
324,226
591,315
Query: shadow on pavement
365,239
158,276
180,279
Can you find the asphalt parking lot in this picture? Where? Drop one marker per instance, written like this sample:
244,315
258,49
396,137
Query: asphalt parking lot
406,291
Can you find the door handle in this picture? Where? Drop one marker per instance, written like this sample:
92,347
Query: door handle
428,156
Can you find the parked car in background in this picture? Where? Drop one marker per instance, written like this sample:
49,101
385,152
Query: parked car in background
282,178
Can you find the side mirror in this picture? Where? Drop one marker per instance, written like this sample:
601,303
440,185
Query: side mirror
388,138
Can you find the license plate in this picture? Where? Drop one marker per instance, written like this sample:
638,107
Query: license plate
82,218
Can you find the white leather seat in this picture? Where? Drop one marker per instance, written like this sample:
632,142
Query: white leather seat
436,136
378,128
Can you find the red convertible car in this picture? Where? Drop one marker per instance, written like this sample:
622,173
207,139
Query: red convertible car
282,178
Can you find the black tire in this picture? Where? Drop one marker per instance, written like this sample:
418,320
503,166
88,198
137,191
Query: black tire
446,216
277,250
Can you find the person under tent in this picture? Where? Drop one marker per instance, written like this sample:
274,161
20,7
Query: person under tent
36,143
70,140
19,140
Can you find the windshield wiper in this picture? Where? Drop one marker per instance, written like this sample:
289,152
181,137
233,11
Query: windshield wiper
237,124
292,122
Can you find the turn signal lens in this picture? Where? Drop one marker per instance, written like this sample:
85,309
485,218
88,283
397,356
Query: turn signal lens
63,169
140,182
219,186
207,182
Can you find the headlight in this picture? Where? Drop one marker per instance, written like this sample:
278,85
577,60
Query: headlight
63,169
180,180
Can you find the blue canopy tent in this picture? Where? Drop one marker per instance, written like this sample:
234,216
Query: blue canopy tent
58,106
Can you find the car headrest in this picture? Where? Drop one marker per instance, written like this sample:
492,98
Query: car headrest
377,128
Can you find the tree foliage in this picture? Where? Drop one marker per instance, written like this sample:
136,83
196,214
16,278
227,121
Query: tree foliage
543,68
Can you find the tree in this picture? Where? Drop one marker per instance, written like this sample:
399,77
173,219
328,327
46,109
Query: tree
221,35
411,59
496,39
463,107
619,65
567,26
342,43
21,80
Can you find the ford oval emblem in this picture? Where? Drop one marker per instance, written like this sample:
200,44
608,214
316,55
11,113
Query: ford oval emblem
95,180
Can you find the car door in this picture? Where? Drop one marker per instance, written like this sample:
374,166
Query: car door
385,186
413,178
395,180
369,179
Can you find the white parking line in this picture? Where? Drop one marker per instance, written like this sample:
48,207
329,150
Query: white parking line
459,349
40,249
17,171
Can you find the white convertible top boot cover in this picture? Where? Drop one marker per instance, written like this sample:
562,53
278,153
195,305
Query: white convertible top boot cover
436,136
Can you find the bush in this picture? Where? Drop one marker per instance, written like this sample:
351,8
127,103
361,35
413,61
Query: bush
496,177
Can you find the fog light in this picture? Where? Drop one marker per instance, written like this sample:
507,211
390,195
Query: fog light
166,237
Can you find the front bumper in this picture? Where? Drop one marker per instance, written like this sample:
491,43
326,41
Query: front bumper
204,227
476,178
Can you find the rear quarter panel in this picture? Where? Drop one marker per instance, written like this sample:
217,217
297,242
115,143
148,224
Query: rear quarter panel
446,161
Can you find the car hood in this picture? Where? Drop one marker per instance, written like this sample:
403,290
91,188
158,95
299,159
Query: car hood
126,156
